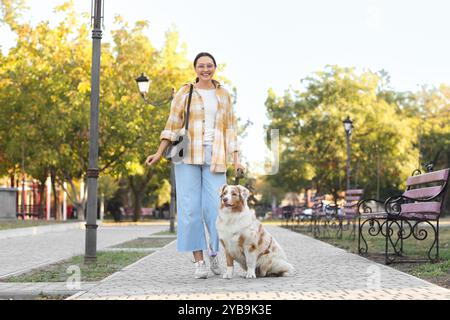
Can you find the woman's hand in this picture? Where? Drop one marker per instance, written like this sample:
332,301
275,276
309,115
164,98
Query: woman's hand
153,159
239,169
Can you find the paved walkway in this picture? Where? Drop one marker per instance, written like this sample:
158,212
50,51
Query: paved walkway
20,254
322,272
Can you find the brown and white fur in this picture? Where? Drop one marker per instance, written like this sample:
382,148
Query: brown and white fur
245,239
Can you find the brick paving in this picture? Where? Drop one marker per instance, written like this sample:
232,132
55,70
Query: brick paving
322,272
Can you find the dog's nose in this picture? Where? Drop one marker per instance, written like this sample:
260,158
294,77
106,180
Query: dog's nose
225,199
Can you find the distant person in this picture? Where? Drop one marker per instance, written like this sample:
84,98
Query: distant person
202,171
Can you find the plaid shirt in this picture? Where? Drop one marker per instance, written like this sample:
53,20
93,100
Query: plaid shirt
225,130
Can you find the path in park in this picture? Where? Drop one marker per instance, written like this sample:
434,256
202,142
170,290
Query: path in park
19,254
322,272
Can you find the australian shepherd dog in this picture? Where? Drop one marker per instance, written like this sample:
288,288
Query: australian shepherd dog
244,238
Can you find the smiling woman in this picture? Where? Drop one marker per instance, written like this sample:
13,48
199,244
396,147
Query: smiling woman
204,110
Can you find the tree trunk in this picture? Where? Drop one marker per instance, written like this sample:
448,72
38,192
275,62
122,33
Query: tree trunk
138,187
11,176
335,194
80,211
55,208
78,201
41,190
138,196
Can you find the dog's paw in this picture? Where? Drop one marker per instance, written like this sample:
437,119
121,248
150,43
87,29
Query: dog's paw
250,274
227,275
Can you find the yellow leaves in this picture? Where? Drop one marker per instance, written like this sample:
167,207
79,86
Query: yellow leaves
118,19
84,87
163,193
135,168
141,24
65,6
46,78
125,99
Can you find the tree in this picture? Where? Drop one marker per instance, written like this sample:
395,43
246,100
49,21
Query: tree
45,92
313,137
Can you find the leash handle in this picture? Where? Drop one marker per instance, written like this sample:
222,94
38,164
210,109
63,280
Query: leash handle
239,175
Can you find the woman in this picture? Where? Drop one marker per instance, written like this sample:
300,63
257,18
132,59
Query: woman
201,173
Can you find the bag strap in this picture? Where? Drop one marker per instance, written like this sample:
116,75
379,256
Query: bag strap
189,106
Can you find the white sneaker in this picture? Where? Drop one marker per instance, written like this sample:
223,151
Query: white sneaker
201,272
214,265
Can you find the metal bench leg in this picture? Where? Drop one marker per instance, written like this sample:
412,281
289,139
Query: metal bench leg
437,240
386,261
317,227
339,231
401,238
359,235
353,229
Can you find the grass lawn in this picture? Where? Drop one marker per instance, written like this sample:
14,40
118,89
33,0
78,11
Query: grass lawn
145,243
14,224
438,273
107,264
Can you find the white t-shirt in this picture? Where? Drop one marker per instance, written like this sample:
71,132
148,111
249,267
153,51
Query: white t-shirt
210,103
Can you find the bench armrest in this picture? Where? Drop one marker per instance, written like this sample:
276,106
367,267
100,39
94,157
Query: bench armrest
363,207
393,204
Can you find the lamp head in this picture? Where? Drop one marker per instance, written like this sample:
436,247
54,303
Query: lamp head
348,125
143,83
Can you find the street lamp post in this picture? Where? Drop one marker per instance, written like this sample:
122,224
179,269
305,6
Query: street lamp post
93,172
143,83
348,126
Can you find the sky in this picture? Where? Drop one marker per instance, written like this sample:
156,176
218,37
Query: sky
274,44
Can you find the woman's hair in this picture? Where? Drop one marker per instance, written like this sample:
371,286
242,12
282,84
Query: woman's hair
203,54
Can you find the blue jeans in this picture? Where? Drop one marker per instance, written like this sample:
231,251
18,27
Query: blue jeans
198,201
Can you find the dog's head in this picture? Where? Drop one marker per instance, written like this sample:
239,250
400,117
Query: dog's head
233,197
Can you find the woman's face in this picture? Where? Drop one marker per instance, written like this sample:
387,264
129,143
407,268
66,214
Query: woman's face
205,68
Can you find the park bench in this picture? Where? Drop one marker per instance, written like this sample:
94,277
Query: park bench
292,214
298,214
287,213
128,213
31,211
401,217
320,216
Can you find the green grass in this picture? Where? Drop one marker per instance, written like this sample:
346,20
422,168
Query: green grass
438,273
107,264
14,224
145,243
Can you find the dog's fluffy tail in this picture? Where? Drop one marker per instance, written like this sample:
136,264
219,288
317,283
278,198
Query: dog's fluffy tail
281,268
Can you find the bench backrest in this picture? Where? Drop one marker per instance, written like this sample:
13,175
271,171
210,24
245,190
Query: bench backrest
318,207
352,197
287,211
430,188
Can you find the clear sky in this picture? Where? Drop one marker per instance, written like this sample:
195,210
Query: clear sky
273,44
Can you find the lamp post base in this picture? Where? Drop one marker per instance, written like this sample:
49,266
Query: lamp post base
90,260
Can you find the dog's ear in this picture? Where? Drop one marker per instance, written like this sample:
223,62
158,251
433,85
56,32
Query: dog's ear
244,192
222,188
